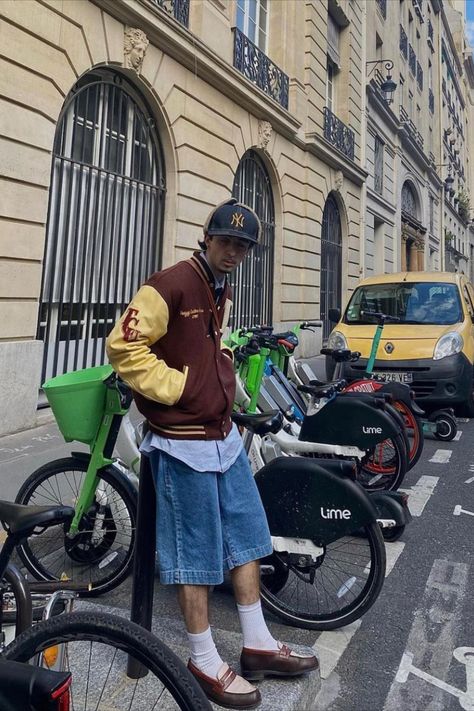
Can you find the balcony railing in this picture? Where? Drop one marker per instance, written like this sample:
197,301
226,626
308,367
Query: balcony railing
412,59
431,100
403,42
419,75
338,134
430,36
256,66
179,9
410,128
382,5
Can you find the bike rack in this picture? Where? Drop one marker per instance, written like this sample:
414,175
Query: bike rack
143,582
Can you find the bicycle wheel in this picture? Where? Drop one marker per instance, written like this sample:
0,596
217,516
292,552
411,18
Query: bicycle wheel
414,430
336,589
100,554
95,649
385,465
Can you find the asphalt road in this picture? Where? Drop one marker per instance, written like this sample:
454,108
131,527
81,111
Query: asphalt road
414,650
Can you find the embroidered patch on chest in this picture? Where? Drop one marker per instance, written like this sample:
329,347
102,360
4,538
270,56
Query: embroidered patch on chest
191,313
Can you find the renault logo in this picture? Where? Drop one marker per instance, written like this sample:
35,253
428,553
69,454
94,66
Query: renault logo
389,347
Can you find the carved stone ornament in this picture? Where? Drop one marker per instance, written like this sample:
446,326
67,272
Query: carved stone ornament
338,181
265,131
135,43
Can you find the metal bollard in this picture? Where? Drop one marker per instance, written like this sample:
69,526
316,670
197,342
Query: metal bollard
144,561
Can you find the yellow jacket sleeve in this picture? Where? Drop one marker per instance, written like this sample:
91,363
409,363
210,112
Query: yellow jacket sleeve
144,322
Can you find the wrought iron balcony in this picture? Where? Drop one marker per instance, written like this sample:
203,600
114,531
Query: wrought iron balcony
179,9
431,101
382,5
412,59
256,66
410,128
403,42
338,134
430,36
419,75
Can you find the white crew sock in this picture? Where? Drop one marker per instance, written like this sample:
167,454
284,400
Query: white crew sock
254,628
204,654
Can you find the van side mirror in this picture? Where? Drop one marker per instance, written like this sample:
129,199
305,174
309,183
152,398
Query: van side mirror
334,315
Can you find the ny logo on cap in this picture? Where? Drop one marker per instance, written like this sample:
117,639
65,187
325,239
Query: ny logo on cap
237,219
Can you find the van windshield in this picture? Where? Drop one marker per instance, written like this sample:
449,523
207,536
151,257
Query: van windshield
434,303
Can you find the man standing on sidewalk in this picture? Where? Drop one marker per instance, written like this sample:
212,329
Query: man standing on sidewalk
167,347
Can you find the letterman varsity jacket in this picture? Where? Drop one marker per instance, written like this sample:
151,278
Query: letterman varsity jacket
167,347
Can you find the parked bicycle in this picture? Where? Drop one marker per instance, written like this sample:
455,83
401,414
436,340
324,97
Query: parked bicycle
87,651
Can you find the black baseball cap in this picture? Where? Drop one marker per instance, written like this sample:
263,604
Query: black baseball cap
234,219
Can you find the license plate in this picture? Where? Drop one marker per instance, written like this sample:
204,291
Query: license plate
396,377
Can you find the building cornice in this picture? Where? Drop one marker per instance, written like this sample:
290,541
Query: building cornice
380,104
318,146
381,201
187,49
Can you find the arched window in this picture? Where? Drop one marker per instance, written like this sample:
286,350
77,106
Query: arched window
409,200
105,218
252,283
331,262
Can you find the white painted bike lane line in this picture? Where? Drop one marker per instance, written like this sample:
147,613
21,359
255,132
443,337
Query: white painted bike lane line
441,456
330,646
420,680
419,494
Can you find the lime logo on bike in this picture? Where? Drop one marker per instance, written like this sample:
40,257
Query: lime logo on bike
335,514
371,430
129,332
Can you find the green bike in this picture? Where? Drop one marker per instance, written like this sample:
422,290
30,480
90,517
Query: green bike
96,547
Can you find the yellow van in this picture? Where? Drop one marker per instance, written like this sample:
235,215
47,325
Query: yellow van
431,347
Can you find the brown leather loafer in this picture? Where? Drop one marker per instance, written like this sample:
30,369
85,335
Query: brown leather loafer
258,663
228,690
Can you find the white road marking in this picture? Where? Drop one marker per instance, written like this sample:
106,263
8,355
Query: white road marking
457,436
330,647
469,481
428,654
393,552
419,494
463,419
458,510
441,456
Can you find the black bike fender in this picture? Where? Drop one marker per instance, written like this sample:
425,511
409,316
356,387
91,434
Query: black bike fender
401,392
304,500
390,505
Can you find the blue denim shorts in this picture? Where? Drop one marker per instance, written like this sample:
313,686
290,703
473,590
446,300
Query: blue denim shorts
207,522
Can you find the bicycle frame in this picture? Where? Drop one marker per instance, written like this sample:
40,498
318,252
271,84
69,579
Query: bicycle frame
117,404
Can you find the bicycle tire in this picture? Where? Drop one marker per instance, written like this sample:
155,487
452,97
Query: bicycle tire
285,601
115,638
385,466
51,555
414,429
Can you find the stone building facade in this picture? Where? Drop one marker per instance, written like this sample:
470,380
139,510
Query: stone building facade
418,146
123,122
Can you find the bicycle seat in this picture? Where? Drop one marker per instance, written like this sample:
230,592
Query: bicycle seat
21,520
260,423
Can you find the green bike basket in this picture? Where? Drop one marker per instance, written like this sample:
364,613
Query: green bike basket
77,400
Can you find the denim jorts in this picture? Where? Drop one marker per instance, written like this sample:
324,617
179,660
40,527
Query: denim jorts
207,522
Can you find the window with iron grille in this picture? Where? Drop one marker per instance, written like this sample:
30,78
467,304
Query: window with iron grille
331,262
378,165
105,218
252,283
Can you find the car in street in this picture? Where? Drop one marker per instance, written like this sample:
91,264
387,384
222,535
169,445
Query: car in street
430,343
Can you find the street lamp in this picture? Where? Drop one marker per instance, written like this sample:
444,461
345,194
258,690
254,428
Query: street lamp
387,86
